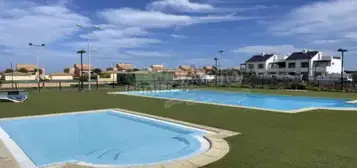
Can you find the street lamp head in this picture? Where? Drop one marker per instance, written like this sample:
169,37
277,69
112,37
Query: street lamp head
96,27
30,44
215,59
342,50
43,45
220,51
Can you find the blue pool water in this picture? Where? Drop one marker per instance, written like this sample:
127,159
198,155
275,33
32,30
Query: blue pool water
246,99
106,138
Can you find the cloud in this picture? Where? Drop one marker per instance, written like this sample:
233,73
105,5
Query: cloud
179,5
327,41
278,49
188,6
148,54
333,18
178,36
111,32
351,35
157,19
37,23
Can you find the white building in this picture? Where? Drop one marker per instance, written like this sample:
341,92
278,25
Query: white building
259,63
18,76
306,63
60,76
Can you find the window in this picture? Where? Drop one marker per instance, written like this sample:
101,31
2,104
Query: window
250,66
304,64
260,66
291,65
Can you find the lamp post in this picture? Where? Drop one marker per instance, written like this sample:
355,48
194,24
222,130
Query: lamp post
216,60
89,29
81,75
342,59
12,75
37,66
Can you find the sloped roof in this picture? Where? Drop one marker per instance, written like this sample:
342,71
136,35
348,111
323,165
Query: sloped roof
302,55
29,67
85,66
125,66
259,58
158,67
185,67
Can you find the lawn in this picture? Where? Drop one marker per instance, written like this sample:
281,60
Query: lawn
326,139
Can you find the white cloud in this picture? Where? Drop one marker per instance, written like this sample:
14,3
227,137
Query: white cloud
278,49
178,36
156,19
37,23
112,32
327,41
148,54
179,5
188,6
325,19
351,35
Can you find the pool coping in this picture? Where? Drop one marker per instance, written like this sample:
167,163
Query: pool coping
244,107
215,137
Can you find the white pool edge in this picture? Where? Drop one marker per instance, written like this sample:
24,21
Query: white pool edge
22,159
25,162
245,107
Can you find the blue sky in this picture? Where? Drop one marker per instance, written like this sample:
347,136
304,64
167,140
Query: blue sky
173,32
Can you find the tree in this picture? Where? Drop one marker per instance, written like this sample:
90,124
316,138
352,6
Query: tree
23,70
39,70
136,69
97,70
354,79
9,70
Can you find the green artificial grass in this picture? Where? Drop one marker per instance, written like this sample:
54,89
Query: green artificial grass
326,139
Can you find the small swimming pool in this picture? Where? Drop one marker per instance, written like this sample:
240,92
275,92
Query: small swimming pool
250,100
103,138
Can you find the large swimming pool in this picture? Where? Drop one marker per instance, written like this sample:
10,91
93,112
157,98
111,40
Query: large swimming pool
103,138
250,100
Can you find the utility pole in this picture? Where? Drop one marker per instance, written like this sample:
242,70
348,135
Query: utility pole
342,62
37,66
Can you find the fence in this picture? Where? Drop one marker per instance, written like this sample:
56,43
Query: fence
164,83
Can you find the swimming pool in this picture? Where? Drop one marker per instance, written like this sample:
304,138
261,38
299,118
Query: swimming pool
103,138
250,100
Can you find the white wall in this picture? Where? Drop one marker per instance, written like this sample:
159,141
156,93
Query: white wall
335,66
20,78
256,65
113,76
61,77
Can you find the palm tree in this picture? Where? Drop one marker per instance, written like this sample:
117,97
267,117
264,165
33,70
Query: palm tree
81,52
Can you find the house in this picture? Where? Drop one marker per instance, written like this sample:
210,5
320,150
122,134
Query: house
181,75
86,67
19,76
258,64
327,65
185,68
27,67
305,63
69,70
124,67
208,68
107,76
60,76
158,68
